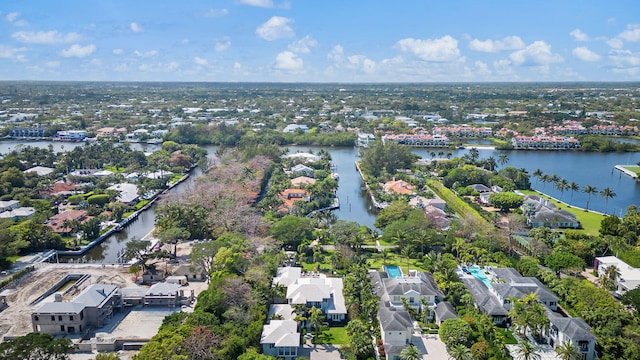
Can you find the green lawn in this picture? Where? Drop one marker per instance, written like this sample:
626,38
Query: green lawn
634,168
590,220
13,259
333,335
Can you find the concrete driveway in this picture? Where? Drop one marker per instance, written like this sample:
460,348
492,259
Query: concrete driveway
431,346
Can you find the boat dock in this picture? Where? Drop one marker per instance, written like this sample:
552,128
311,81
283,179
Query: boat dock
626,171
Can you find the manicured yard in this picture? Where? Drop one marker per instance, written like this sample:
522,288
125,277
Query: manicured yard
590,220
333,335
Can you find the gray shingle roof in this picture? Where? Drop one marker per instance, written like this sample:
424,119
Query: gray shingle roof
394,320
60,308
575,328
95,294
483,298
445,310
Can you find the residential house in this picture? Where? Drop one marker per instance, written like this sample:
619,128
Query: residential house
128,192
302,170
485,301
510,284
443,311
163,294
627,277
302,181
192,272
62,189
18,214
545,142
290,196
396,329
419,140
573,330
71,135
305,157
57,223
28,132
91,309
398,187
280,338
6,205
292,128
39,170
364,139
320,291
541,212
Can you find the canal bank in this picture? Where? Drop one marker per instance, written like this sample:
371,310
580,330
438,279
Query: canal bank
125,222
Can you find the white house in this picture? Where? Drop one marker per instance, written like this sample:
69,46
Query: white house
280,338
396,329
628,277
573,330
128,192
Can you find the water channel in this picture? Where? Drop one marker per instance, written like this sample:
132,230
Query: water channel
594,169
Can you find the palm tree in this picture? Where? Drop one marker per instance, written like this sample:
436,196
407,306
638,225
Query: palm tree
449,154
407,254
474,154
460,352
568,351
607,193
573,187
538,174
490,163
588,189
503,159
562,185
545,179
315,320
527,351
411,352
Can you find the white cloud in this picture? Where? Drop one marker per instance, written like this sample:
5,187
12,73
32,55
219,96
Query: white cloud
45,37
222,44
146,54
160,67
237,66
503,66
584,54
482,68
336,54
52,64
578,35
362,62
117,51
444,49
492,46
304,45
135,27
537,54
200,61
631,34
78,51
8,52
11,17
216,12
624,58
289,61
258,3
615,43
275,28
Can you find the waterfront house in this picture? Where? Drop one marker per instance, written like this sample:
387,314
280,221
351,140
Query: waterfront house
302,170
303,156
128,192
6,205
541,212
292,128
57,223
71,135
398,187
545,142
302,181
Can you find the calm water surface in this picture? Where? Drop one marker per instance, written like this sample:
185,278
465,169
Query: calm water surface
594,169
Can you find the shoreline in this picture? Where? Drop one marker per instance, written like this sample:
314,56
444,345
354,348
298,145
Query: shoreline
621,168
126,222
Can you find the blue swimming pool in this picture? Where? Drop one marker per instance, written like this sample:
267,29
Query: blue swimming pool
479,274
393,271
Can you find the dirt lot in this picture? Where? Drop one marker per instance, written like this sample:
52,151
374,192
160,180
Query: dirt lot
16,318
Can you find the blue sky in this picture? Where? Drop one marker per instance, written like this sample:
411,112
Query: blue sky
320,40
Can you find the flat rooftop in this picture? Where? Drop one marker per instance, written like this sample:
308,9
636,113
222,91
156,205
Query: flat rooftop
140,322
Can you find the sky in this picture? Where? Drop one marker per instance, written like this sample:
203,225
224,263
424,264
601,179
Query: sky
346,41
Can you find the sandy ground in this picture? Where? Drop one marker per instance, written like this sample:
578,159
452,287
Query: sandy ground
16,318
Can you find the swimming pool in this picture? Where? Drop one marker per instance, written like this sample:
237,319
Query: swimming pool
393,271
479,274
